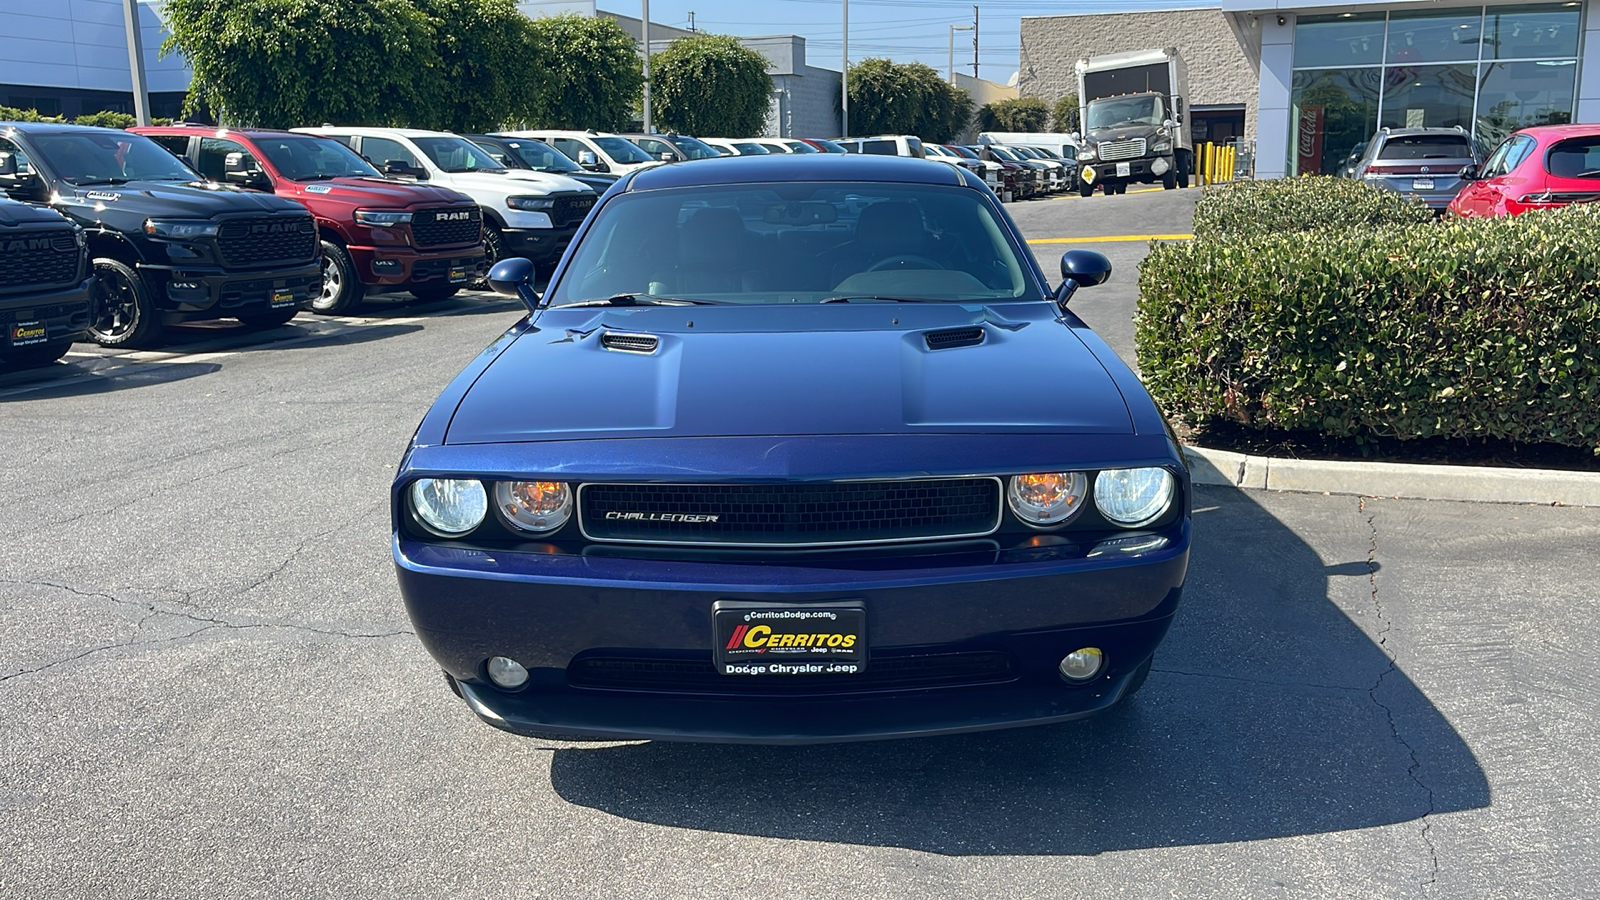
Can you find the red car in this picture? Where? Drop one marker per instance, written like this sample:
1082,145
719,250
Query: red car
1535,168
378,234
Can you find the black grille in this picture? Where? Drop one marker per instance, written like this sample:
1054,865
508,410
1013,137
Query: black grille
571,208
791,514
38,259
956,337
281,239
633,343
882,674
437,227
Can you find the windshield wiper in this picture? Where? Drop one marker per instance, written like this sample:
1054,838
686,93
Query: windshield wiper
881,297
638,300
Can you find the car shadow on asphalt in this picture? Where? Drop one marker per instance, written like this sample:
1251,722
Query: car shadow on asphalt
1269,714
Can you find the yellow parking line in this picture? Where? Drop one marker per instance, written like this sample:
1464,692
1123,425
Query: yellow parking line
1113,238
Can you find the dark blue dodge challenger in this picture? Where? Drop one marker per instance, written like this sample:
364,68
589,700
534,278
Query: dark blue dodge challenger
793,449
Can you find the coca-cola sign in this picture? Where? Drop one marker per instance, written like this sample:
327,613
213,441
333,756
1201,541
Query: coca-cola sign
1308,143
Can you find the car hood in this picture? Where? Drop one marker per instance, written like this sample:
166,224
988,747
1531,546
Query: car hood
379,192
830,369
186,200
542,182
15,214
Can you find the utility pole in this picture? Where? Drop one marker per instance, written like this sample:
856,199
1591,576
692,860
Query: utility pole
974,41
691,20
645,26
953,30
141,94
844,79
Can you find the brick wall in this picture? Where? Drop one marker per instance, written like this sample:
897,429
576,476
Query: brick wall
1222,59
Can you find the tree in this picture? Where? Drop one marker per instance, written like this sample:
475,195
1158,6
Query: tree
593,73
711,86
489,61
886,98
1065,115
282,63
1017,114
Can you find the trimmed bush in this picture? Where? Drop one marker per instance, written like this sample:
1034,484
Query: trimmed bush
1486,328
1301,204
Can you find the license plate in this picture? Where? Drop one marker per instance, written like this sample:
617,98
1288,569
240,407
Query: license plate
1422,184
26,333
282,298
458,274
1124,170
768,639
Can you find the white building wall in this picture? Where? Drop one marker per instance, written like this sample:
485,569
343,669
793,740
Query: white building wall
1589,66
82,44
1273,110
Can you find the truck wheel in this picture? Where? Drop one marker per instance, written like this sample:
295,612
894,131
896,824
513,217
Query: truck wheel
342,290
1085,188
35,355
271,318
124,312
1185,167
432,292
1169,181
494,246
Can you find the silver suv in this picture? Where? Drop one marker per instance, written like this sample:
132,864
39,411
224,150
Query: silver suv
1425,162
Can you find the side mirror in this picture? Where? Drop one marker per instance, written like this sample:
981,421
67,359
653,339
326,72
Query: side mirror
396,167
8,165
590,161
514,278
1169,124
1081,268
667,156
1469,172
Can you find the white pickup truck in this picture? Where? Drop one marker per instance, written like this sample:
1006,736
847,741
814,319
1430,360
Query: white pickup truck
525,213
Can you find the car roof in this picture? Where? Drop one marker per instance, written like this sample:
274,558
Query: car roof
1560,132
790,167
374,131
50,127
212,130
1415,132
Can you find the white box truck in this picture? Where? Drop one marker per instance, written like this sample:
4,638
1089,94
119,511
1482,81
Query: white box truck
1135,115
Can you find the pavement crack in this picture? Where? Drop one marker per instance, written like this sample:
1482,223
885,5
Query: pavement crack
1413,771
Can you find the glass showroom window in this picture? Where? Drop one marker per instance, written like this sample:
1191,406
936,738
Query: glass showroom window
1488,70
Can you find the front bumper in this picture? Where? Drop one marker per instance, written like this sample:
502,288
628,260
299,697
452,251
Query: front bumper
398,269
537,244
558,613
202,292
1098,172
44,318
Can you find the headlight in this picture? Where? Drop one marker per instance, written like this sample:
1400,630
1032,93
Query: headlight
178,229
1088,153
536,204
449,507
382,218
1050,498
534,505
1161,147
1133,497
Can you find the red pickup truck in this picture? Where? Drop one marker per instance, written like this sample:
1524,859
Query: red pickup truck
378,234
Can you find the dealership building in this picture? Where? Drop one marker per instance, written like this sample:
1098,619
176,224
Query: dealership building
1307,83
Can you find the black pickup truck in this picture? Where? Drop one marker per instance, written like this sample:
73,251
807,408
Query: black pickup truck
167,246
44,285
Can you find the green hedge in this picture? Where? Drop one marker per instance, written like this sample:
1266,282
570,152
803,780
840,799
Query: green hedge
1462,329
103,119
1285,205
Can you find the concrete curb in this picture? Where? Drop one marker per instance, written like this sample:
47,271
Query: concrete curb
1477,484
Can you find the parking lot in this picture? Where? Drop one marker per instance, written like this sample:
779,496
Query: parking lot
208,683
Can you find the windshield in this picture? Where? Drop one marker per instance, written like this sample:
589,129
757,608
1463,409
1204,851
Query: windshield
541,157
105,158
800,147
1427,146
695,149
1119,111
1004,153
621,150
300,158
750,148
962,152
795,243
829,146
454,154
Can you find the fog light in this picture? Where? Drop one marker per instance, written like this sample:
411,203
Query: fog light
507,673
1160,166
1079,665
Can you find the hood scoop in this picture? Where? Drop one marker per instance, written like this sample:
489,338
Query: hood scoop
629,343
954,337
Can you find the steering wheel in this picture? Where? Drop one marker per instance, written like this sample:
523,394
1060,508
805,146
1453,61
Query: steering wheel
882,264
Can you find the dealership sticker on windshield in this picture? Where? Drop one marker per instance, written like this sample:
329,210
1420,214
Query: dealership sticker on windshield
774,639
25,333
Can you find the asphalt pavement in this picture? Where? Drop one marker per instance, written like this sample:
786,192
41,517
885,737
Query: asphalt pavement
208,685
